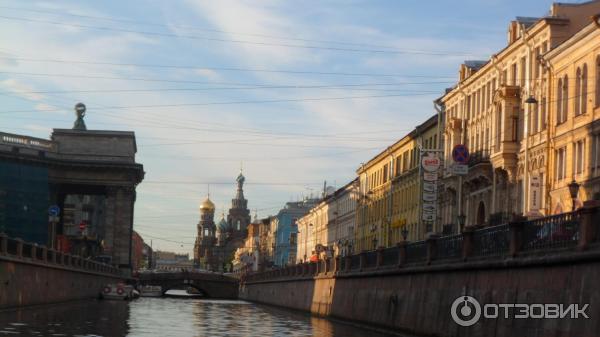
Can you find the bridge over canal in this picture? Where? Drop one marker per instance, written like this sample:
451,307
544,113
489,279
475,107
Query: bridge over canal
213,285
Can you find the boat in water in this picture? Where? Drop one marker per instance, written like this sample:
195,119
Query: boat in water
151,291
118,291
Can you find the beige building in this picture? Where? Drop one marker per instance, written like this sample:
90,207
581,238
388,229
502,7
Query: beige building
327,230
491,112
574,121
389,199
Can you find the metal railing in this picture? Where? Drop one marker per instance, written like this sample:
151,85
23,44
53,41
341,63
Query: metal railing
449,247
480,156
557,231
550,234
31,252
416,251
491,241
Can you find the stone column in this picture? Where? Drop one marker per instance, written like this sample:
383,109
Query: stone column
19,247
588,228
379,261
431,242
119,224
515,235
337,262
401,253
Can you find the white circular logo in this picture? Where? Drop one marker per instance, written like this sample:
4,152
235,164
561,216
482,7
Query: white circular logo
465,311
430,163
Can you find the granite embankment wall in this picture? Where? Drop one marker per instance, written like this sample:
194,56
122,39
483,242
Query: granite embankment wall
32,275
412,287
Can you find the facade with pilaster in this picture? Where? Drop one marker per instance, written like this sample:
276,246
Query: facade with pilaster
493,111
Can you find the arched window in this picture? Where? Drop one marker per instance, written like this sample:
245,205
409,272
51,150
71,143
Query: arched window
598,80
565,96
559,103
578,92
584,89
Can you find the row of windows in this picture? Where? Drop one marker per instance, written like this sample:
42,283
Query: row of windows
579,99
578,149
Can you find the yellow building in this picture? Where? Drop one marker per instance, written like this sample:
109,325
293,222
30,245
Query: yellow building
493,111
575,118
389,197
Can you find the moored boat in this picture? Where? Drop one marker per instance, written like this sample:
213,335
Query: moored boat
117,291
151,291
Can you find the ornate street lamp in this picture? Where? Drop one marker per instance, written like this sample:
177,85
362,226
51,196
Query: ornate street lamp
574,191
531,100
461,218
404,233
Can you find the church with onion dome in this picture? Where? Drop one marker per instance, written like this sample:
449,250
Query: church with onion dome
216,243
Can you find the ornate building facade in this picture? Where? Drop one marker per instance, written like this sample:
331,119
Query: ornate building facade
505,110
206,238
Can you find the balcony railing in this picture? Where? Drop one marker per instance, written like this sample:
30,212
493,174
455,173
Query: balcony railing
549,235
478,157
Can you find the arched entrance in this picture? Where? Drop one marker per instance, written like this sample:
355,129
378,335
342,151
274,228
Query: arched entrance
481,213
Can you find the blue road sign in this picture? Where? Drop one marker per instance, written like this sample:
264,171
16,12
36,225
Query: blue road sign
53,210
460,154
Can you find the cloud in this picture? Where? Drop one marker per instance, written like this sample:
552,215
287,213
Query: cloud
20,89
208,74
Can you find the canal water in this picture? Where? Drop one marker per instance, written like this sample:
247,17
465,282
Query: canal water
170,317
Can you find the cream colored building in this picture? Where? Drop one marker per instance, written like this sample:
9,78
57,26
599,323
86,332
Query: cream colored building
389,198
327,230
574,122
508,138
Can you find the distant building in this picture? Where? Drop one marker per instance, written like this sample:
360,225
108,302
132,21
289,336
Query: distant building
215,245
137,252
286,230
327,229
172,261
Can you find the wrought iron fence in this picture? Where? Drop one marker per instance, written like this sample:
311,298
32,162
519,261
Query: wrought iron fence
449,247
557,231
480,156
491,241
416,251
390,256
355,262
371,259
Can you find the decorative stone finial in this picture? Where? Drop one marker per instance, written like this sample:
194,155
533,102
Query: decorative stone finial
80,112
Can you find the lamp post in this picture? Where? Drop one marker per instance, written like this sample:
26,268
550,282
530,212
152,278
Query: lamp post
404,233
461,221
574,191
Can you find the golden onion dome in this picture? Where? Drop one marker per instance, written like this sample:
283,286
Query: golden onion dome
207,205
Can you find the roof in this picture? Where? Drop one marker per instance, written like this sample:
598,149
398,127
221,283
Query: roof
431,121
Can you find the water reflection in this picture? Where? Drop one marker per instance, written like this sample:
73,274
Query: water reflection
170,317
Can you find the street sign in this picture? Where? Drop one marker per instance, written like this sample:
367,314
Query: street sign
53,210
428,176
429,207
459,169
460,154
428,196
430,162
429,187
534,188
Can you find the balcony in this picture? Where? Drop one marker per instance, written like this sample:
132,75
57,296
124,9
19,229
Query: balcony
479,157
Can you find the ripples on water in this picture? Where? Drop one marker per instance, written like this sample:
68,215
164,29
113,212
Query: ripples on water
170,317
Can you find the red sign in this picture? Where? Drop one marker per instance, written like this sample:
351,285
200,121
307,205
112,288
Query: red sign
82,226
460,154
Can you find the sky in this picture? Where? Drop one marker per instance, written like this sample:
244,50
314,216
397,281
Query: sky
295,92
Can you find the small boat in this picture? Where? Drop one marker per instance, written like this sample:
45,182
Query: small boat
117,291
151,291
